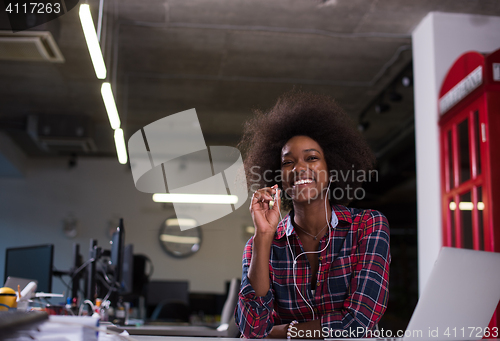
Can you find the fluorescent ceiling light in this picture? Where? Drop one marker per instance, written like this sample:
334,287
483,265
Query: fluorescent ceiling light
92,42
195,198
184,222
121,150
109,103
179,239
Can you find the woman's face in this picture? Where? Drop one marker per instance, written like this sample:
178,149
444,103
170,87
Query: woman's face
305,173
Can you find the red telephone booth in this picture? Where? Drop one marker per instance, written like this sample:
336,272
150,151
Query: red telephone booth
469,107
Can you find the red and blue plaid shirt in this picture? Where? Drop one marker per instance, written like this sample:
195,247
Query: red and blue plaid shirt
352,280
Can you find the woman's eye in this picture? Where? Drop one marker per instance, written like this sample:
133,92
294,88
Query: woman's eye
313,158
284,163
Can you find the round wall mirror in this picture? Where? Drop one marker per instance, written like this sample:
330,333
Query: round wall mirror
179,243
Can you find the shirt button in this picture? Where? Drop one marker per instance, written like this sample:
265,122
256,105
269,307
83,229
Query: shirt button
317,284
320,257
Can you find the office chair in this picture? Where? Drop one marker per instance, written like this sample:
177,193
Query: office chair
227,322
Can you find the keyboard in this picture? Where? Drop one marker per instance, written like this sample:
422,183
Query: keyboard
14,320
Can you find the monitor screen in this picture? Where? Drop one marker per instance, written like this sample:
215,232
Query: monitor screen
33,262
126,285
117,246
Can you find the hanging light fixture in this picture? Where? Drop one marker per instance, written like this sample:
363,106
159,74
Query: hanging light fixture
109,103
92,42
121,150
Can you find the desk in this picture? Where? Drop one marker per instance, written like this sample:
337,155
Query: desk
194,331
175,338
200,338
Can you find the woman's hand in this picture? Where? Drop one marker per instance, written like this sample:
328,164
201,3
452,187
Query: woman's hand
265,219
278,332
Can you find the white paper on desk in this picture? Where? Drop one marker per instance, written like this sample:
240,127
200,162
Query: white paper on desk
48,294
113,337
71,328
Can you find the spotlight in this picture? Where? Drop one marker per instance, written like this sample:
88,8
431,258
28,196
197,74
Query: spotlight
73,160
407,81
382,107
363,126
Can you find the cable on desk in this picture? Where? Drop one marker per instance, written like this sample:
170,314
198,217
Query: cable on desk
89,302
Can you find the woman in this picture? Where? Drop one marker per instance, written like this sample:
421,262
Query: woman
322,270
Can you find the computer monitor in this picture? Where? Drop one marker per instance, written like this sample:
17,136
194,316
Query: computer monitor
117,248
165,291
32,262
75,277
127,271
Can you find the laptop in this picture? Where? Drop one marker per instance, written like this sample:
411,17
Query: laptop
13,282
458,300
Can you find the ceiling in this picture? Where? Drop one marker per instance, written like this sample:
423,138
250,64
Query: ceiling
226,58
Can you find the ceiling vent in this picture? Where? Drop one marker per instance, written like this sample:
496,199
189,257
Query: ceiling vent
29,46
61,133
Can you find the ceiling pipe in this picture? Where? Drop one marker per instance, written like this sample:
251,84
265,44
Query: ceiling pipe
99,21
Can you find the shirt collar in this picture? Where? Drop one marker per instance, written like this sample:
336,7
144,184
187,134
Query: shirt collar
342,213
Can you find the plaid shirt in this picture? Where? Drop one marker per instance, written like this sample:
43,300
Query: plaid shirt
352,280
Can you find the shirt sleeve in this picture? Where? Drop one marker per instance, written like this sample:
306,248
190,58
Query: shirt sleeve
253,315
369,289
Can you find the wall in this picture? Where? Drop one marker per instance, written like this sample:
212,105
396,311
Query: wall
97,192
437,42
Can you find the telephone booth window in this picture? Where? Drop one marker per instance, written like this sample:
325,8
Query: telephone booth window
465,208
463,141
463,180
449,169
451,216
477,135
480,218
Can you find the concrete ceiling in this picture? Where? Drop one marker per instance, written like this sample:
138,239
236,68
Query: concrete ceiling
226,58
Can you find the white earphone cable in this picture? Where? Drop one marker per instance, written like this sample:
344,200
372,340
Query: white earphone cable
306,252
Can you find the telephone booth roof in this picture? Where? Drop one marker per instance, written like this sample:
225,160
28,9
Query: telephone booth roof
470,72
